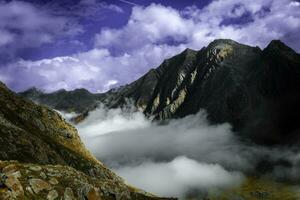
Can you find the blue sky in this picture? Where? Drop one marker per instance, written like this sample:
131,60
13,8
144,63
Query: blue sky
97,44
91,16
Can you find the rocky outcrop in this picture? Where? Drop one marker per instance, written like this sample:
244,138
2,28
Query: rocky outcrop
61,165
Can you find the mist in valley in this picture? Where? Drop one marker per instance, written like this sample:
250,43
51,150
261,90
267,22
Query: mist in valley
181,157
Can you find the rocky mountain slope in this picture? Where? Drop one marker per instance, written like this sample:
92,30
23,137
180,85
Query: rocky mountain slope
58,165
257,91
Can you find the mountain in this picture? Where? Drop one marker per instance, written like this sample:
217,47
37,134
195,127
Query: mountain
256,91
42,157
77,100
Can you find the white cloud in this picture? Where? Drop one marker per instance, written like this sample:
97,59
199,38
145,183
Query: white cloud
29,26
105,121
154,33
295,3
169,160
180,156
180,176
96,70
146,26
197,27
126,132
91,7
129,2
5,37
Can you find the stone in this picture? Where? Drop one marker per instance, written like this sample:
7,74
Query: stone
68,194
38,185
28,188
53,181
93,194
43,175
52,195
9,169
35,168
13,183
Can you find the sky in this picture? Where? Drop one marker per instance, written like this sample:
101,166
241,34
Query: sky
101,44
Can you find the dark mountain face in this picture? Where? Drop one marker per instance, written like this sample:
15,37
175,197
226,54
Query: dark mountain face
257,91
77,100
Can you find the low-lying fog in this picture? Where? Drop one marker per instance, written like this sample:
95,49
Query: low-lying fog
181,156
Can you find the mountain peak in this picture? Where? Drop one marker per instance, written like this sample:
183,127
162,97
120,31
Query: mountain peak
2,85
189,51
34,90
278,45
60,91
223,42
81,91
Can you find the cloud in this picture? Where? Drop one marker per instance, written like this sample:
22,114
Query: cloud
179,177
88,8
66,115
130,133
25,25
5,37
152,34
194,27
105,121
97,70
29,26
181,157
146,26
129,2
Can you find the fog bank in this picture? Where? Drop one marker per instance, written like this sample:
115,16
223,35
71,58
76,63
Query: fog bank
180,156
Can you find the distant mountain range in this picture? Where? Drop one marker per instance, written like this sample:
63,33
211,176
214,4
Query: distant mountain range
257,91
78,100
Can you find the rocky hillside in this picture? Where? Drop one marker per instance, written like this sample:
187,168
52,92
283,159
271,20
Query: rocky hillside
60,166
257,91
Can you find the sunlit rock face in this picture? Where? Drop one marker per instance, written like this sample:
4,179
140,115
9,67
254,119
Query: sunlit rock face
255,90
205,79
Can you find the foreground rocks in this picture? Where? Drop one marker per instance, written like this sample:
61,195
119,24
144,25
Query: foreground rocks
30,181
